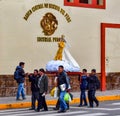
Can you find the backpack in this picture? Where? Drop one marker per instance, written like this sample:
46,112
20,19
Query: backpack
16,75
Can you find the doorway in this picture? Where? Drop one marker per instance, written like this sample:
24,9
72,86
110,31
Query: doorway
109,52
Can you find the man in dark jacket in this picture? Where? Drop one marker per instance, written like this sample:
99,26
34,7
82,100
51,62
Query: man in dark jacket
62,85
33,78
92,87
69,87
43,88
20,81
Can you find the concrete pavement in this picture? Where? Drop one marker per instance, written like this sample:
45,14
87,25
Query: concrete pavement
106,108
10,102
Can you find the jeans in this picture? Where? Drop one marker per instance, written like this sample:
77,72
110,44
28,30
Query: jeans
58,104
35,96
20,91
83,97
63,105
92,98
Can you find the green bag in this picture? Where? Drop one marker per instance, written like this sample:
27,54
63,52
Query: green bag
67,97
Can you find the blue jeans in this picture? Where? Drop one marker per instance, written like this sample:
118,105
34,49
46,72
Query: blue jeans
83,97
20,91
63,105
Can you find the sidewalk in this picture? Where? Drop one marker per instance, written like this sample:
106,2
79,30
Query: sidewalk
10,102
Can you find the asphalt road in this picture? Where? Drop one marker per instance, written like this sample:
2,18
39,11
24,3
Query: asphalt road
109,108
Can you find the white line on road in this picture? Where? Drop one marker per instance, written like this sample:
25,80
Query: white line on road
116,103
16,112
22,109
105,109
21,113
66,113
93,114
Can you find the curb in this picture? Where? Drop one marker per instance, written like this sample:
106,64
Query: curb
53,102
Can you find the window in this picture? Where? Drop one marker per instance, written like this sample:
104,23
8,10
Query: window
99,2
70,0
86,3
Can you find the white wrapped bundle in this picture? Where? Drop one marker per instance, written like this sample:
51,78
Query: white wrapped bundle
54,64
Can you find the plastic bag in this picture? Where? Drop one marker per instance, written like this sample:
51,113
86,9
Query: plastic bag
56,92
52,92
67,97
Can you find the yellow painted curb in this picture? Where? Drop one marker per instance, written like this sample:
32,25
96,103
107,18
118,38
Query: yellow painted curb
53,102
100,98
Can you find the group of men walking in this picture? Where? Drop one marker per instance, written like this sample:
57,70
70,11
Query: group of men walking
39,87
90,83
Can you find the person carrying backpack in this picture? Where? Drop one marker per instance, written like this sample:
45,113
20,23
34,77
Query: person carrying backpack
19,76
83,87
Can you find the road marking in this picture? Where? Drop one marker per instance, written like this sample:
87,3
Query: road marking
93,114
116,103
66,113
12,110
106,109
48,113
25,112
29,113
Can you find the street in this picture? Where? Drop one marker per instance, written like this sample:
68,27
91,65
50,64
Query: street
109,108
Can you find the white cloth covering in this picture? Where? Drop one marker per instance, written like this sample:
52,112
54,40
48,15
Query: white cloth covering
69,63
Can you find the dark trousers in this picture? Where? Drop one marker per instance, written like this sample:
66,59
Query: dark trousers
35,96
83,97
92,98
58,104
42,102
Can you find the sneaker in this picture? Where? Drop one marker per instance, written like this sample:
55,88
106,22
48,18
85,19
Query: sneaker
80,105
55,108
32,109
97,104
85,105
24,98
90,106
44,110
61,111
37,110
18,99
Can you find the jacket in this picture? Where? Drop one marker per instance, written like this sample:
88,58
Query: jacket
92,82
34,82
62,79
21,74
84,82
43,84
